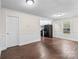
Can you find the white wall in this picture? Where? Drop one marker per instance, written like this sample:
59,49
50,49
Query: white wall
2,35
1,31
29,29
0,27
45,21
29,26
58,28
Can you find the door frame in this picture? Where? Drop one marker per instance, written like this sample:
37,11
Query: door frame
18,31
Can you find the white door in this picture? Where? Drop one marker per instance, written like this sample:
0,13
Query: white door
12,30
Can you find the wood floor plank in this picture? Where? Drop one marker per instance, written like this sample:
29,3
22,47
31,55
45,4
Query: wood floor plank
47,48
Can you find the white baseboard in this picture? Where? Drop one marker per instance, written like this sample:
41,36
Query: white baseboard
25,43
1,49
72,39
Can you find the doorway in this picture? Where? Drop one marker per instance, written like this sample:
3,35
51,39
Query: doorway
12,30
46,28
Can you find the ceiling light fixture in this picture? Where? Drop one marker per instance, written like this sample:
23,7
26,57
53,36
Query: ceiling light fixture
30,2
58,15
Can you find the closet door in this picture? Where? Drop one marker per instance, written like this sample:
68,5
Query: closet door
12,30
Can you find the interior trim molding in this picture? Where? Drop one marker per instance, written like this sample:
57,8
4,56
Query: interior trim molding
72,39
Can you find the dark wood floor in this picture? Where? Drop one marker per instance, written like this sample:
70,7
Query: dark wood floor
49,48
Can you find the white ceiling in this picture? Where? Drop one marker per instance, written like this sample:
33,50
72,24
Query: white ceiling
45,8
